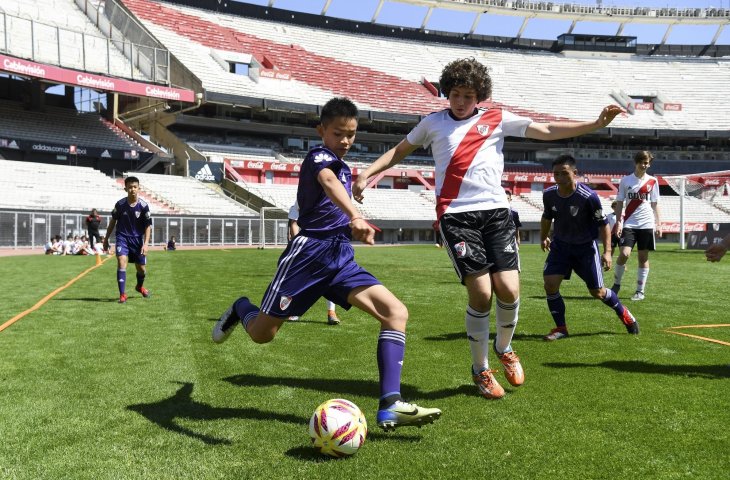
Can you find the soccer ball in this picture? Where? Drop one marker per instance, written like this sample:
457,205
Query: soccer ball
338,428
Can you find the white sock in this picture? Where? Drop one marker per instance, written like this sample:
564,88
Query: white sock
477,331
506,320
641,276
330,306
618,273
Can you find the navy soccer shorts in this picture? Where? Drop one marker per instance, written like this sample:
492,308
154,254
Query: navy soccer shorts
483,240
584,259
642,238
131,247
311,268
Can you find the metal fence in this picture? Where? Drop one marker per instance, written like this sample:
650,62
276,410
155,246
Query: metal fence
23,229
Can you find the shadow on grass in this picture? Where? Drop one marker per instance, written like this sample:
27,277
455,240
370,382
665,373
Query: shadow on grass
88,299
703,371
517,337
341,387
182,406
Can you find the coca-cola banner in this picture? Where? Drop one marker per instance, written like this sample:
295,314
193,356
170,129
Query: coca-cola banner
89,80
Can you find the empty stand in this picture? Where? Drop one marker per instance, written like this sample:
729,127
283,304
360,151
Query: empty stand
384,74
57,32
40,186
63,126
190,196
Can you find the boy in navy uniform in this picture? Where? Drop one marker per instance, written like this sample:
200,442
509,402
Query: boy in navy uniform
319,262
576,213
131,216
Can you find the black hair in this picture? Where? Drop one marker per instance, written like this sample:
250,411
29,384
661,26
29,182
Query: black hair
338,107
468,73
129,180
564,159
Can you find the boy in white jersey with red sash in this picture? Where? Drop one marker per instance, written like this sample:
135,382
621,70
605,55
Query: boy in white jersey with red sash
640,192
472,206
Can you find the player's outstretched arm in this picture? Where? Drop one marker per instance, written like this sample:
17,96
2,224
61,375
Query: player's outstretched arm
560,130
392,157
545,225
604,234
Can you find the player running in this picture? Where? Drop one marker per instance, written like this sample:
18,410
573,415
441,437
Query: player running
639,221
320,261
472,207
576,214
131,216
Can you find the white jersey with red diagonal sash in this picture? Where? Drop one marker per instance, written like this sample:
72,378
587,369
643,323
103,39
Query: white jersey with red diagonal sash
638,194
468,157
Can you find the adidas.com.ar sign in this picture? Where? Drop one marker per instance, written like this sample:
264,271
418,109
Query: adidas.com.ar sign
205,173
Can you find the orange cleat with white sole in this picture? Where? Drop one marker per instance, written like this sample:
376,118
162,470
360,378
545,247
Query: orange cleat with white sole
488,386
512,368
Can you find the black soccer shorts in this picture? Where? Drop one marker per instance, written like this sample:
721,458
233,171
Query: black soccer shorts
482,240
642,238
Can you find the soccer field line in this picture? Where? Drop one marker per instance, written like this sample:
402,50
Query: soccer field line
45,299
707,339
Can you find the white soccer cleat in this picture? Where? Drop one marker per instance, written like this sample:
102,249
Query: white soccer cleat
224,327
638,296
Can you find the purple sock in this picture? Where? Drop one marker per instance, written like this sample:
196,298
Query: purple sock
121,280
140,279
556,305
245,310
391,350
612,301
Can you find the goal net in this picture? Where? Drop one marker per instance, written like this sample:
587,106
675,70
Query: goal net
701,195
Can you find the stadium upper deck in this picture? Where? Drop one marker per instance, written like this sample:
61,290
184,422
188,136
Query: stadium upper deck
396,76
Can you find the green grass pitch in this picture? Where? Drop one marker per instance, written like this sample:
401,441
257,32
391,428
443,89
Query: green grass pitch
92,389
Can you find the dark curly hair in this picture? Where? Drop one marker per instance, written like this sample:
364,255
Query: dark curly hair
468,73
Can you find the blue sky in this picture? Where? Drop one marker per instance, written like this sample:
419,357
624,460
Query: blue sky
394,13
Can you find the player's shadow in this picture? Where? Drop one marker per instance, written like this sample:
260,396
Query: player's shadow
340,386
585,297
711,372
181,405
447,337
87,299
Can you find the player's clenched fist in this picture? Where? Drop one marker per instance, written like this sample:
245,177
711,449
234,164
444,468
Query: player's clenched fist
362,231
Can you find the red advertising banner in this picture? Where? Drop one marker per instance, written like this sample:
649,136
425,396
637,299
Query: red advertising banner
644,106
672,107
673,227
89,80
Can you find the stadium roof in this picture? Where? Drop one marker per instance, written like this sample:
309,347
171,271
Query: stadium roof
678,22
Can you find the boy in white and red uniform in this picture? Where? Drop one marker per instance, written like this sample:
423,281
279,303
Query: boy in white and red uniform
640,192
472,207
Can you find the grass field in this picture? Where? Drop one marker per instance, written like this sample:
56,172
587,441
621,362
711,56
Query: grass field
92,389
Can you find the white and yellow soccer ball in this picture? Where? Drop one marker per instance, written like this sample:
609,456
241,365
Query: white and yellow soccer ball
338,428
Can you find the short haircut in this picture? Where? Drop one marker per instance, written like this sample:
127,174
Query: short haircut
129,180
338,107
565,159
642,155
467,73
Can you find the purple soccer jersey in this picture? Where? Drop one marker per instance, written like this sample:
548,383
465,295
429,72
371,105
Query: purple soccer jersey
576,217
132,221
317,213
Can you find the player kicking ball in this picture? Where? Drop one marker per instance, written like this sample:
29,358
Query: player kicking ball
575,212
320,261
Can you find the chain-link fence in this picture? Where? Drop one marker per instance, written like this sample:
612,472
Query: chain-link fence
23,229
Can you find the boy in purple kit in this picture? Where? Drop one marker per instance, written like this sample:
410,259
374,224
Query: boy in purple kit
132,218
576,215
319,262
